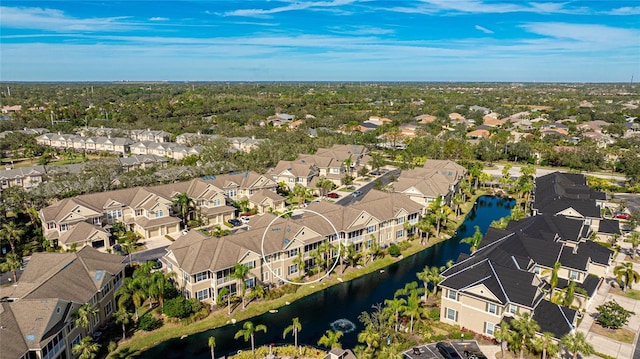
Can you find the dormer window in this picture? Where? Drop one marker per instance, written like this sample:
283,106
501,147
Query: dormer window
64,227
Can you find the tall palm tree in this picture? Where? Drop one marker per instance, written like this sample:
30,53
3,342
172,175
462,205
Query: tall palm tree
324,185
184,203
473,241
84,314
12,233
525,328
241,272
413,307
626,275
553,281
546,343
13,263
503,334
331,339
86,348
248,331
158,284
457,201
396,305
371,337
577,343
425,226
212,346
634,239
294,327
123,317
131,291
427,276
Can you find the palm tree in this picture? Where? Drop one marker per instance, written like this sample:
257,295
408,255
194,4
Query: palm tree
525,328
212,345
128,247
331,339
553,281
626,275
413,307
131,291
428,276
12,233
577,343
123,317
457,201
425,226
396,305
294,327
183,203
158,284
546,343
503,334
86,348
248,332
634,239
84,314
474,240
370,336
240,272
13,263
324,185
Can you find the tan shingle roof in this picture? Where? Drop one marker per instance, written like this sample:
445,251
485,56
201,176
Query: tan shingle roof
12,342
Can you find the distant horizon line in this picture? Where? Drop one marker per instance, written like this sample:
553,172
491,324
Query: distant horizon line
302,82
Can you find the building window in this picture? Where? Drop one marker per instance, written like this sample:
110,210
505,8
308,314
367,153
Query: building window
400,220
75,341
492,308
187,294
139,212
251,264
114,214
216,202
250,283
371,229
536,270
186,276
513,309
451,314
452,294
293,269
400,233
201,276
587,221
231,193
159,213
293,252
489,328
202,294
51,225
106,289
574,275
265,276
108,308
64,227
97,220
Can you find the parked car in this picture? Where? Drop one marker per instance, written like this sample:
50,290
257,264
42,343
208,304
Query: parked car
356,193
375,173
447,350
244,219
235,222
333,195
622,215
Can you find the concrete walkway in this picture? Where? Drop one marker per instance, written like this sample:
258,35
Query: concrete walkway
601,343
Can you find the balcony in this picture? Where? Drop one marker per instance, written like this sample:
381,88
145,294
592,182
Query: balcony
221,281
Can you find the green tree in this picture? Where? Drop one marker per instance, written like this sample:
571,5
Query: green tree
503,334
87,348
13,263
331,339
553,281
294,327
524,327
473,241
634,240
576,343
546,344
397,306
324,186
612,315
371,337
123,318
241,273
425,226
131,291
429,275
626,275
83,316
212,345
184,203
12,233
248,331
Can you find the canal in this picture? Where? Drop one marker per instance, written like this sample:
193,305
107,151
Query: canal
338,307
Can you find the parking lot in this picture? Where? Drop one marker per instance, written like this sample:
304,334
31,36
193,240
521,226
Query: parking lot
429,351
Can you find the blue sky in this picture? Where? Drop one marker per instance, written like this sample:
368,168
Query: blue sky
326,40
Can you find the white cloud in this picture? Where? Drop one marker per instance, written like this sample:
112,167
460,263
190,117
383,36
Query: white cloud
595,36
360,30
484,29
310,5
481,7
157,18
56,20
627,10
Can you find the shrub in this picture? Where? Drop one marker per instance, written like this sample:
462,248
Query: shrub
613,315
177,308
394,250
148,322
434,314
404,245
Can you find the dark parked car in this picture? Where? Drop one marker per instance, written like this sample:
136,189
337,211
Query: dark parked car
447,350
333,195
235,222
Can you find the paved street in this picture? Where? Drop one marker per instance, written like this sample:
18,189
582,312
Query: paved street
496,171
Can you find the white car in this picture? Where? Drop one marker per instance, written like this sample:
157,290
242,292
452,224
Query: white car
245,219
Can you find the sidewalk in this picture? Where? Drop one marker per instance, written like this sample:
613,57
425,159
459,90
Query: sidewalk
601,343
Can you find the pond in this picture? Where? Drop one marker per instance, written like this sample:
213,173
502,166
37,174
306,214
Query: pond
338,307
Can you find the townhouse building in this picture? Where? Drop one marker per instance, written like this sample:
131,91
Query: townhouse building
37,313
23,177
204,264
149,211
436,178
116,145
511,270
